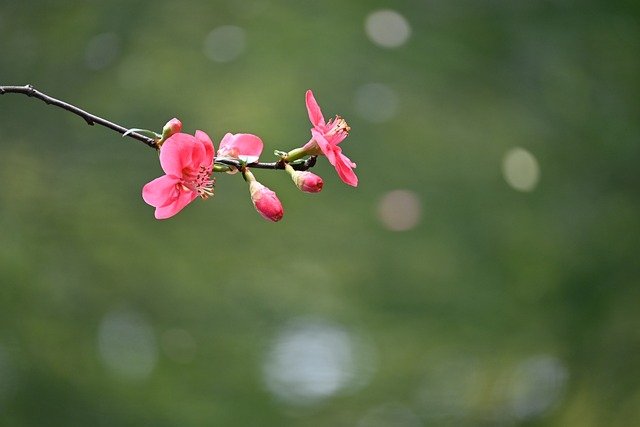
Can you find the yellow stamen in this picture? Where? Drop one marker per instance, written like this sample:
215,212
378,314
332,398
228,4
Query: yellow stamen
339,125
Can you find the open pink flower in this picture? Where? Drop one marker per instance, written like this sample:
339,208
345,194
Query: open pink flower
187,161
243,146
325,139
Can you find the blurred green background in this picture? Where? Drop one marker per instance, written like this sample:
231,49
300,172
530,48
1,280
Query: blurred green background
485,272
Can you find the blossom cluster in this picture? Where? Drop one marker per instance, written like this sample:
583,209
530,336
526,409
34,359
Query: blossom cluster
189,162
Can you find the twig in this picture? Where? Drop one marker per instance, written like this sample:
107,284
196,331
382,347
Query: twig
92,119
88,117
298,165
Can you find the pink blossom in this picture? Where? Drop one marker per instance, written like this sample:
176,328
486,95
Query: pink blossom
243,146
187,162
325,139
266,202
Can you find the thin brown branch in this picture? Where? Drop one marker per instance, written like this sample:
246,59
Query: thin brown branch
301,165
92,119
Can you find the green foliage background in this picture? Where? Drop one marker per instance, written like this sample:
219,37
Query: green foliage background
490,276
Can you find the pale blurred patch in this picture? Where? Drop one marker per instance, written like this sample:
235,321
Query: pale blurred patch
532,388
520,169
312,360
460,387
127,344
376,102
387,28
225,43
102,50
399,210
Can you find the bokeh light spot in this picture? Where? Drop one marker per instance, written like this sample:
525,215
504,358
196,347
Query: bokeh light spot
310,361
225,43
520,169
127,344
399,210
387,28
376,102
535,385
102,50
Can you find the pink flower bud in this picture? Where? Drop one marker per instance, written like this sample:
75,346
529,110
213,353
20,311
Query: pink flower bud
266,202
307,181
173,126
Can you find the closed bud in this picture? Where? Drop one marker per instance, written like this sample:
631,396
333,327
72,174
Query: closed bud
306,181
264,200
173,126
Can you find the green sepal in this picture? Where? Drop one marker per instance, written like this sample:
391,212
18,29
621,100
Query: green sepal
298,162
219,167
145,132
296,154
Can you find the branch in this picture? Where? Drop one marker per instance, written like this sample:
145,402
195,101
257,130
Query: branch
300,165
92,119
88,117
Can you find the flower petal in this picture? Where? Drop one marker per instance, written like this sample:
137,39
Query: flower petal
312,148
198,156
210,151
326,148
161,191
176,205
224,149
315,114
176,153
344,168
244,146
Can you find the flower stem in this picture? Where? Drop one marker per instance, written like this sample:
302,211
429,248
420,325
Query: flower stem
295,154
